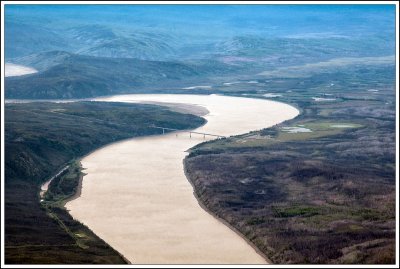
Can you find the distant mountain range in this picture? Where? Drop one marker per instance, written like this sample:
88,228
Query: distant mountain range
93,40
176,32
84,52
104,41
98,40
67,75
24,39
295,50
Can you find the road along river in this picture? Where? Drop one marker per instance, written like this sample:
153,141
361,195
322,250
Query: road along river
136,197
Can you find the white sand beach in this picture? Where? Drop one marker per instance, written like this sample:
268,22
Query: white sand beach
136,197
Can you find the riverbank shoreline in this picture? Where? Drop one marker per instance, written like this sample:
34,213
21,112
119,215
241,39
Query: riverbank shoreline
192,109
114,147
227,224
180,108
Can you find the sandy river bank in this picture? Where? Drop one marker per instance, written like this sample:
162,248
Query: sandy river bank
136,197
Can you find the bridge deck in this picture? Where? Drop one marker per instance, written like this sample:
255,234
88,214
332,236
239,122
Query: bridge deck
191,132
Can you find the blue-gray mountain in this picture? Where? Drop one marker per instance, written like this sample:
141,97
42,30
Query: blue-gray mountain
324,196
173,32
66,75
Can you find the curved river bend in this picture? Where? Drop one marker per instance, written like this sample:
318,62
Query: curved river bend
136,197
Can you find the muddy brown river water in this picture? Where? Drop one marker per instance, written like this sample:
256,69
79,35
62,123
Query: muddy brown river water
136,197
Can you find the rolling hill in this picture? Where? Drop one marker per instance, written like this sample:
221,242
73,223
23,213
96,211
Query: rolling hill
66,75
41,138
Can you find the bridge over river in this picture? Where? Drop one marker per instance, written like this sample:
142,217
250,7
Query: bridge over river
190,132
136,197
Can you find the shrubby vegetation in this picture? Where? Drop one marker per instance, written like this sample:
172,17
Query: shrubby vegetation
64,75
326,196
40,139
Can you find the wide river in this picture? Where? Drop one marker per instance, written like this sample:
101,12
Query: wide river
136,197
